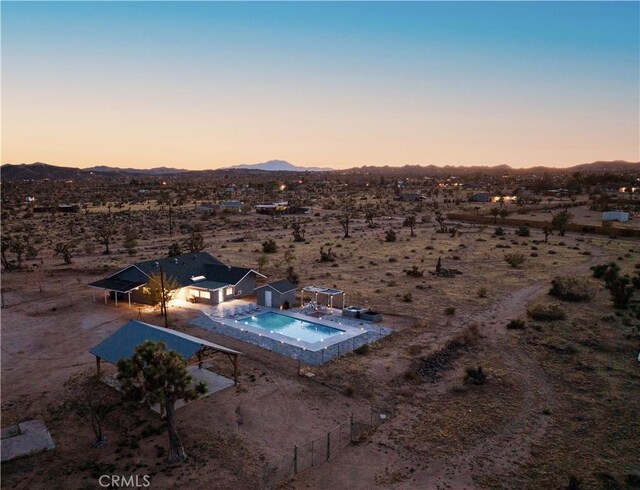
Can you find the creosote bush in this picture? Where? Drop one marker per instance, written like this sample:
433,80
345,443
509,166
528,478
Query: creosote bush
475,376
269,247
516,324
571,289
546,313
515,259
450,310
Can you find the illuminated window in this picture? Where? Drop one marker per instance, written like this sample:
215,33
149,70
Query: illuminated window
229,290
205,294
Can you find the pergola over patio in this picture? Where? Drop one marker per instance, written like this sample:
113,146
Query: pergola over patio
122,343
318,291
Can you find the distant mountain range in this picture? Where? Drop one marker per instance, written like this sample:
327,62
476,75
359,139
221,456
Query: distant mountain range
42,171
281,166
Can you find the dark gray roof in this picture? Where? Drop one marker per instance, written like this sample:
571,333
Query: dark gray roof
123,342
225,273
209,284
282,286
182,267
116,284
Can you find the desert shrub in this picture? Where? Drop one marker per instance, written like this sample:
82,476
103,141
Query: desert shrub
515,259
499,231
475,376
363,350
571,289
390,236
621,292
407,297
482,292
575,483
516,324
609,272
269,247
393,259
450,310
546,313
415,272
523,231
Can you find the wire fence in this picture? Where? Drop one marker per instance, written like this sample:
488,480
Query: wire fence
352,430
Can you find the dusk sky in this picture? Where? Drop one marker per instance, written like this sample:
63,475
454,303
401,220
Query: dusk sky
204,85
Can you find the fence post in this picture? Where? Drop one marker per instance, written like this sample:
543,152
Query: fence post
351,430
328,445
295,460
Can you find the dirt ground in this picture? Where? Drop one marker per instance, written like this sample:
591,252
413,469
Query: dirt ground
546,412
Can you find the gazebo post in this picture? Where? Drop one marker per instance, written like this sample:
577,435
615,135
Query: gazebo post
235,368
97,365
105,296
200,359
115,295
129,293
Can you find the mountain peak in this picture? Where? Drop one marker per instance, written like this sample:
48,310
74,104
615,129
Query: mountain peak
280,166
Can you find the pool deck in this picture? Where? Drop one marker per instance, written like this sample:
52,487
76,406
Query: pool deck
354,332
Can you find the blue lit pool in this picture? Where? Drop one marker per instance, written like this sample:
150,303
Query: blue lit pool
291,327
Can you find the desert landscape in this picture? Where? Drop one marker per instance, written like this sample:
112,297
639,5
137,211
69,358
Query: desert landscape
555,401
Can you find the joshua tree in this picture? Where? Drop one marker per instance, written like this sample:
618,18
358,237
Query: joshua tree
195,242
66,250
298,232
561,220
154,375
5,245
547,230
90,402
263,260
370,215
410,221
130,241
19,247
175,249
105,231
347,213
440,218
495,212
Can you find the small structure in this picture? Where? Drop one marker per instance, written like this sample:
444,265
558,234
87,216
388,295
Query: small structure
482,197
25,438
123,342
621,216
276,294
410,197
323,296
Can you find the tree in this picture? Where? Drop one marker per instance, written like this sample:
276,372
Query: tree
5,246
18,247
130,241
547,230
440,218
515,259
370,215
390,236
66,250
347,213
90,402
175,249
269,246
154,375
561,220
153,290
298,232
410,222
621,291
105,231
195,242
495,212
263,260
504,213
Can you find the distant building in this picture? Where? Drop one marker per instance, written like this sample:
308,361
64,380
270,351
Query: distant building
482,197
68,208
620,216
410,197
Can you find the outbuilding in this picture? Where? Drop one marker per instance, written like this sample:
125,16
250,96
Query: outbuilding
276,294
621,216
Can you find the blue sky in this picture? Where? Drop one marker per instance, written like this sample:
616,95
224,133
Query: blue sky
200,84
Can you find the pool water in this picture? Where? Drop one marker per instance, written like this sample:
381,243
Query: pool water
291,327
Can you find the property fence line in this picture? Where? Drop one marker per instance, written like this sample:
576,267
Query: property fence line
321,449
572,227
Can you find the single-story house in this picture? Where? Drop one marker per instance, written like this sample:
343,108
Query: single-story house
199,276
272,208
482,197
621,216
276,294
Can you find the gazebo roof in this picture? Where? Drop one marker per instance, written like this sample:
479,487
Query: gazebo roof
122,343
323,290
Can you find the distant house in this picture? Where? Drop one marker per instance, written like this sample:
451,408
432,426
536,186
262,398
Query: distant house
620,216
276,294
280,207
482,197
200,277
221,207
410,197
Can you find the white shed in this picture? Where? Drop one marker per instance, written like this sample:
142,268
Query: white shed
621,216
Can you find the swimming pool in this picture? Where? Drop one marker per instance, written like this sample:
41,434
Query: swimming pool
291,327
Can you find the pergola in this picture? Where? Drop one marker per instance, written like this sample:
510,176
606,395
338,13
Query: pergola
122,343
323,291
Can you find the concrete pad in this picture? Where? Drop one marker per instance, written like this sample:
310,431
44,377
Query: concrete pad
33,437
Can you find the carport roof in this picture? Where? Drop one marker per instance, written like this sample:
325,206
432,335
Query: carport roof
122,343
115,284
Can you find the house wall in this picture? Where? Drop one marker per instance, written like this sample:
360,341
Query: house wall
247,285
212,300
277,298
